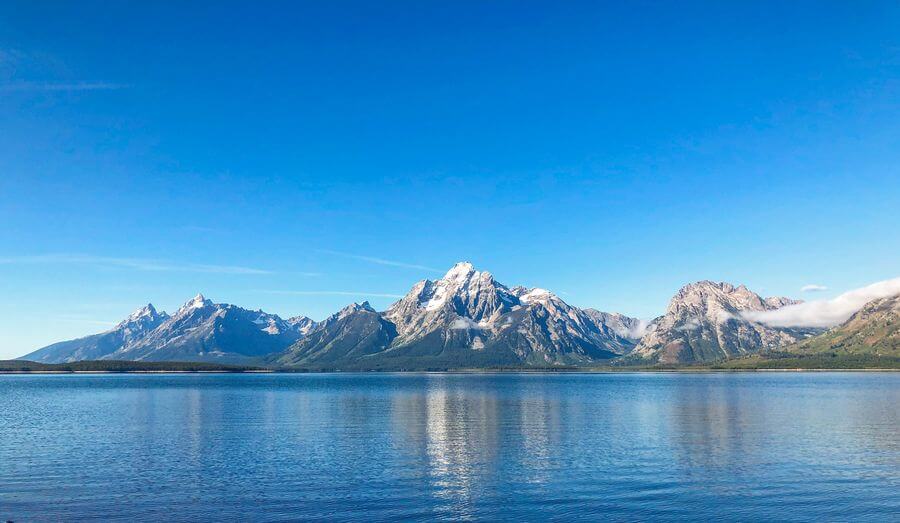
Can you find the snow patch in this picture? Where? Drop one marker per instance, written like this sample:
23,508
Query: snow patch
438,298
536,294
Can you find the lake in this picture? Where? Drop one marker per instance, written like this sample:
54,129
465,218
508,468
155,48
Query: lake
530,446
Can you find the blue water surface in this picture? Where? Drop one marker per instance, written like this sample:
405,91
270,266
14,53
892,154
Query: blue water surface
371,447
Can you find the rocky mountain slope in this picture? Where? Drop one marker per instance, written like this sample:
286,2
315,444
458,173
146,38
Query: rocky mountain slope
874,330
97,346
349,335
199,331
465,319
704,322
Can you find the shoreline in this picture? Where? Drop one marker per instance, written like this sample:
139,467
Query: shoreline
456,371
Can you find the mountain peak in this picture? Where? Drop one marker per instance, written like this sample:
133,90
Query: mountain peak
460,272
707,285
354,307
146,310
301,324
197,302
713,297
145,313
708,320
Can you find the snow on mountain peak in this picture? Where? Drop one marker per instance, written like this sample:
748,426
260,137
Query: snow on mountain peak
535,294
145,311
461,272
462,277
145,314
197,302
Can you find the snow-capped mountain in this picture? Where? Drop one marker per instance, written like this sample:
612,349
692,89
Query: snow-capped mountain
205,331
704,322
137,325
466,318
198,331
462,293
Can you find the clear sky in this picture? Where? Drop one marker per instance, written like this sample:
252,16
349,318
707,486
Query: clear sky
297,157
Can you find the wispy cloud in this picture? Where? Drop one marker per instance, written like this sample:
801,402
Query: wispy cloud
75,319
139,264
637,331
691,324
61,86
825,313
333,293
463,323
812,287
380,261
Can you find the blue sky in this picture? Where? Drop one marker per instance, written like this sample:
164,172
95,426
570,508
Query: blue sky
297,157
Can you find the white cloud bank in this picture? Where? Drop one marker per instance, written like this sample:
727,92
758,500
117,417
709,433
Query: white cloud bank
812,287
825,313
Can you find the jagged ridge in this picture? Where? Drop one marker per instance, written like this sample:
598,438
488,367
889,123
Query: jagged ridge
465,319
199,331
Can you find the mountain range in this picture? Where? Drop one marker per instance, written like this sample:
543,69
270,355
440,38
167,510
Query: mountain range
198,331
467,319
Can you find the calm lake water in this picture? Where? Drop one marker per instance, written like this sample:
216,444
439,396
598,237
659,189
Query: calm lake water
762,446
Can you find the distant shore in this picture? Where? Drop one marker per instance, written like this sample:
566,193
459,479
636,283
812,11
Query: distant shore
118,367
130,367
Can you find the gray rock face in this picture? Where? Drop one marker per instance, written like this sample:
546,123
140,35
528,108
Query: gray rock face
97,346
465,319
704,322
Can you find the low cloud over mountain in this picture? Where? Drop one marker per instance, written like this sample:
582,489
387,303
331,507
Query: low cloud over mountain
825,313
